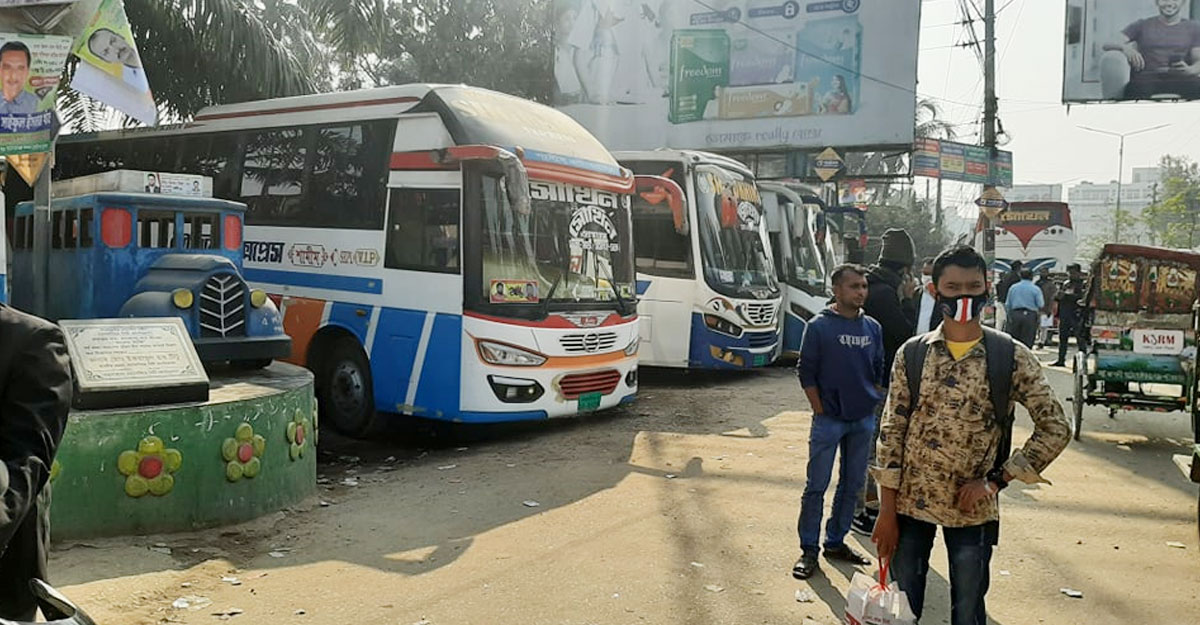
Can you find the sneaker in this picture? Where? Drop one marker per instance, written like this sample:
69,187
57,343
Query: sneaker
846,554
806,566
863,524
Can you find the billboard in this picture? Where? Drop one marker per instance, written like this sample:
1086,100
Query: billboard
737,74
1122,50
960,162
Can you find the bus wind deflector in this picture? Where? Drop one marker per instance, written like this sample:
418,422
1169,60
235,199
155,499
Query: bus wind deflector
655,190
511,166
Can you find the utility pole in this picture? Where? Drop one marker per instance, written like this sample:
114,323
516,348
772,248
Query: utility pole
989,122
1120,167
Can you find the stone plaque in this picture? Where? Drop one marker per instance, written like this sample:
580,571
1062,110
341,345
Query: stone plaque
133,362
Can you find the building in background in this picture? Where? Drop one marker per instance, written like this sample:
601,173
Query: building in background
1093,209
1034,193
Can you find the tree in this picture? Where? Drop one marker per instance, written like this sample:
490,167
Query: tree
912,214
1174,221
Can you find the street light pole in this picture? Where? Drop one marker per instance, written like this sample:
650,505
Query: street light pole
1120,166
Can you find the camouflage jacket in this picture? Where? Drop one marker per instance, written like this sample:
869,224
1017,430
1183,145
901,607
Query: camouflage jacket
926,454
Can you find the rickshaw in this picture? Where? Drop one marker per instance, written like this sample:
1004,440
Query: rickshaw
1142,323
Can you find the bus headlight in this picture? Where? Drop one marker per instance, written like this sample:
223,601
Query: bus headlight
632,348
717,324
258,298
182,298
500,354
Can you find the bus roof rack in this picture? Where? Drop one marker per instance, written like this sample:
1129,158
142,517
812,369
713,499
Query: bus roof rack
134,181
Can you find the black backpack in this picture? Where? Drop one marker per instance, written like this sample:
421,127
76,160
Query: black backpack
1001,358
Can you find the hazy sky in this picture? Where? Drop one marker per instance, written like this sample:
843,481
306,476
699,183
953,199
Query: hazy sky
1047,145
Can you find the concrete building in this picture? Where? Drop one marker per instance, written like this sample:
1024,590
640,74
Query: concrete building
1034,193
1093,208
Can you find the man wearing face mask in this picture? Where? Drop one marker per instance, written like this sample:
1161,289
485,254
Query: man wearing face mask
945,437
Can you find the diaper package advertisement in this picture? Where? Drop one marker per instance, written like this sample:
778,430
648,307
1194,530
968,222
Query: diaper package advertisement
733,74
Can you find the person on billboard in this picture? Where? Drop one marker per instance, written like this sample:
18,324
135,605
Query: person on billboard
1154,56
152,184
15,60
837,101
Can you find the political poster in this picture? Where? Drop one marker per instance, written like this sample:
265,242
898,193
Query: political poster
110,69
30,67
734,74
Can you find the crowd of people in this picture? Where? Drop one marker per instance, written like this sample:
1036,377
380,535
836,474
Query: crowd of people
917,397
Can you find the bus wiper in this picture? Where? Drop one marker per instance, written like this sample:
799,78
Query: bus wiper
622,305
550,294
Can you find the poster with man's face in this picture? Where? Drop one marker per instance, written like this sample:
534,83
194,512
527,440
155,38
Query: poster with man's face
30,66
111,69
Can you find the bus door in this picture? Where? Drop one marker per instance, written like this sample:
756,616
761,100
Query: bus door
666,270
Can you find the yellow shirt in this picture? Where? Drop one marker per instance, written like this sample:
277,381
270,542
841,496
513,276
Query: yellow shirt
958,350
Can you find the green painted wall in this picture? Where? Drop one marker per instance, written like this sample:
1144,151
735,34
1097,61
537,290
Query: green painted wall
90,495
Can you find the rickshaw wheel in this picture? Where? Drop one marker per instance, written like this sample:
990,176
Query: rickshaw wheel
1080,380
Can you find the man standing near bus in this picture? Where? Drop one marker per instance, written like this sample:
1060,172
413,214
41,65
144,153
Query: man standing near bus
841,371
891,302
1024,307
35,396
1070,310
942,457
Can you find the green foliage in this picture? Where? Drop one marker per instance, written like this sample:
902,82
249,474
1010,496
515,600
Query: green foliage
915,216
1175,220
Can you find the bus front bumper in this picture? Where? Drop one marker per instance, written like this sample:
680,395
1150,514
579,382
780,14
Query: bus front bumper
244,348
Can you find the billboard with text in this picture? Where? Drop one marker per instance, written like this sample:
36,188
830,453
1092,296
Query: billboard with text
738,74
1122,50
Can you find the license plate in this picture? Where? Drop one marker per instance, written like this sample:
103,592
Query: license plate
589,402
760,360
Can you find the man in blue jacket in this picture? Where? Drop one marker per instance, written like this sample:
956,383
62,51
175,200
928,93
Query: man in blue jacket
841,369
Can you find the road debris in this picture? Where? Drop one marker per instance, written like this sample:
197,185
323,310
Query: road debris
225,615
698,565
191,602
163,550
1072,593
1005,573
232,581
670,476
277,554
447,467
1176,544
349,482
804,595
714,588
299,613
529,503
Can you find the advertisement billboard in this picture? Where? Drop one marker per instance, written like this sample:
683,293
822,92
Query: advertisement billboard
1123,50
737,74
960,162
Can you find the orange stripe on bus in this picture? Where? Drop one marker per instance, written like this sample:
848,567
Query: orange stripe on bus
301,320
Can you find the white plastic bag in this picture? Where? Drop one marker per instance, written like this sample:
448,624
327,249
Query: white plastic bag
876,603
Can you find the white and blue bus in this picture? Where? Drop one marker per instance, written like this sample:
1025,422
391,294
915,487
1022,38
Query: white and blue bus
709,298
439,251
797,226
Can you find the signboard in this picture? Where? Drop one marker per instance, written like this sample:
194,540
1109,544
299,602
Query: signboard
1168,342
827,164
513,292
133,362
991,202
31,66
948,160
735,74
135,181
1123,50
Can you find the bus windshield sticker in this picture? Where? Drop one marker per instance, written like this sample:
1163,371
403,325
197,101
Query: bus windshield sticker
514,292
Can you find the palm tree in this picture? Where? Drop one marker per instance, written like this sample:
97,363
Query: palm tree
929,122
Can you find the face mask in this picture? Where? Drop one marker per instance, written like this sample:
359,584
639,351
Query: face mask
962,309
926,280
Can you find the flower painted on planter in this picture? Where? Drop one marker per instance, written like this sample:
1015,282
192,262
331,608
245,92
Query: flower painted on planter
55,470
149,469
297,433
242,453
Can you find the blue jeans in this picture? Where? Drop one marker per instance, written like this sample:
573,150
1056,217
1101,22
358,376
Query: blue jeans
970,551
827,436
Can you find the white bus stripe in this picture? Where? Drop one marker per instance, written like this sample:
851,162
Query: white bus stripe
372,326
414,380
325,314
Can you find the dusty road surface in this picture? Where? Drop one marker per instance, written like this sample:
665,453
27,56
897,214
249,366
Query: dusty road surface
679,509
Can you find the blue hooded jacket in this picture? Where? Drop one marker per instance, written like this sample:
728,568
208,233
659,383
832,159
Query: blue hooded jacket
843,358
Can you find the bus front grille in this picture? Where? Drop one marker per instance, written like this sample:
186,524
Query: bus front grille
576,384
589,342
223,307
760,314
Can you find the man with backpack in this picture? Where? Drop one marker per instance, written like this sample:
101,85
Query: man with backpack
946,435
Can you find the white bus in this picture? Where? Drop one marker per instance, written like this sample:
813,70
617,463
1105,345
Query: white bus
709,298
439,251
798,237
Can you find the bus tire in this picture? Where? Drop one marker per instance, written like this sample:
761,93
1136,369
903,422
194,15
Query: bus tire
346,393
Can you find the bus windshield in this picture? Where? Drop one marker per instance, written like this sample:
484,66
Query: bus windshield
733,235
573,248
807,271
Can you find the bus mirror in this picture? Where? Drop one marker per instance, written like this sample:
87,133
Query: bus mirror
655,190
517,180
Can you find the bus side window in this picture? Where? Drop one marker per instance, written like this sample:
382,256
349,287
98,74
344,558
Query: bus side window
272,177
423,233
156,229
63,230
659,249
85,227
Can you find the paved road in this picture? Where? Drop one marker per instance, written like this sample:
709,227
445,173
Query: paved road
678,509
